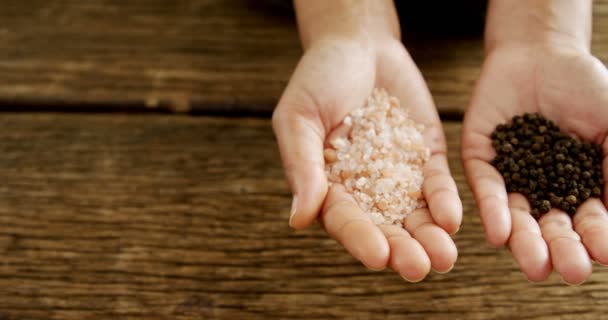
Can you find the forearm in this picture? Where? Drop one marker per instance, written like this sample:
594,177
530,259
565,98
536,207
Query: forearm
565,23
365,20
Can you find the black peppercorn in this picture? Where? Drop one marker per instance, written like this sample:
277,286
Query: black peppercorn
521,163
571,211
500,167
532,185
585,194
574,192
555,200
515,177
545,206
571,199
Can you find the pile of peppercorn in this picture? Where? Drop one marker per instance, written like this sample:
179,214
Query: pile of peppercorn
550,168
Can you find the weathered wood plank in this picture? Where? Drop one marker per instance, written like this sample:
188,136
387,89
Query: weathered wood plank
204,54
170,217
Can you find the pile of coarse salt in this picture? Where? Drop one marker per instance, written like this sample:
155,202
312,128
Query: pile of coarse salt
381,160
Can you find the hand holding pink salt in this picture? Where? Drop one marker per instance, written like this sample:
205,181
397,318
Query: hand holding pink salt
380,160
336,75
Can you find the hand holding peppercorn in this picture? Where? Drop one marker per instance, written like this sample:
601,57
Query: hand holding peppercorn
549,167
344,60
533,68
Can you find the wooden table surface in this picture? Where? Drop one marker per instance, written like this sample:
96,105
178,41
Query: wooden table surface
129,213
196,55
161,217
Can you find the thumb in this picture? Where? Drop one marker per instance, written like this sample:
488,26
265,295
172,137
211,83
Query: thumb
300,135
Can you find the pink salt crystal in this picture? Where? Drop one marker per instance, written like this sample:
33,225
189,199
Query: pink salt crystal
338,143
345,174
348,121
361,182
330,155
378,142
380,161
385,172
382,205
394,102
415,194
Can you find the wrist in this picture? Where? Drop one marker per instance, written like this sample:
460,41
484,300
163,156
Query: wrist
367,22
542,24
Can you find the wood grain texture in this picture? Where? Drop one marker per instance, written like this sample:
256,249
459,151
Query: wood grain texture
206,55
171,217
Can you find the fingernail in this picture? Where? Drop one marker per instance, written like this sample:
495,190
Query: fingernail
294,204
530,280
444,272
374,269
572,284
412,281
493,246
